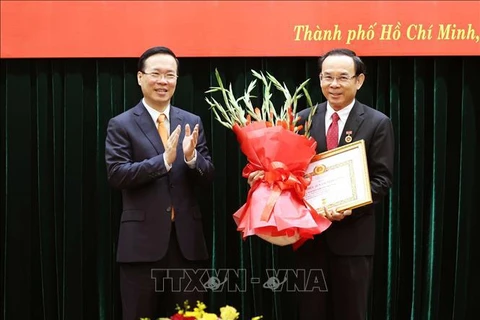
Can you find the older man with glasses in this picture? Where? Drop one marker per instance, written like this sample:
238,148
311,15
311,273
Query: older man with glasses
343,254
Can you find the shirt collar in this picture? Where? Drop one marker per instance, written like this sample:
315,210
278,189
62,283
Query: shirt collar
342,114
154,113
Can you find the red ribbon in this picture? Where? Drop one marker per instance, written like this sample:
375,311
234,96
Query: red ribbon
280,178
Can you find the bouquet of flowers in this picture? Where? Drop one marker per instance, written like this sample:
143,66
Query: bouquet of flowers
200,313
275,209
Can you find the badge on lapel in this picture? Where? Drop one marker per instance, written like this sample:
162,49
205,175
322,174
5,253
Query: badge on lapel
348,138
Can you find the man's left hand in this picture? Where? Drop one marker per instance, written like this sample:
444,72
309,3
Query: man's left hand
190,142
334,215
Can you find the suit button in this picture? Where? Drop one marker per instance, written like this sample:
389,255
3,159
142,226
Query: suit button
171,186
169,210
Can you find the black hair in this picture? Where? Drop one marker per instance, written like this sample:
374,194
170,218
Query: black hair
152,51
359,65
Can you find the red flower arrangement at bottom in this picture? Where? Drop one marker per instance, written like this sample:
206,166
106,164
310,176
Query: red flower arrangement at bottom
199,312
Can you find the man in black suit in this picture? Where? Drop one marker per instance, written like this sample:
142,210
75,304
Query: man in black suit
344,252
161,224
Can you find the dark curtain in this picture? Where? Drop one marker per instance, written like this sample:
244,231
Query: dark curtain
59,218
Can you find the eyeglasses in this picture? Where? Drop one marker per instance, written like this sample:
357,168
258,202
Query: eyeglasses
157,76
328,79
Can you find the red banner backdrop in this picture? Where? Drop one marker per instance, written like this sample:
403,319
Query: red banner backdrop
238,28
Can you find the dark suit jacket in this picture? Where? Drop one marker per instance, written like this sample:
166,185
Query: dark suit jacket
134,158
355,235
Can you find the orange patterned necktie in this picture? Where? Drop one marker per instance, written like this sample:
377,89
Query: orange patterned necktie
162,131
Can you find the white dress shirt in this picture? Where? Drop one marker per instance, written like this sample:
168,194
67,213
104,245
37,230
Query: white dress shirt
342,114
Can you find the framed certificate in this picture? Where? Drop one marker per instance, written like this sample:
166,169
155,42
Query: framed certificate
339,178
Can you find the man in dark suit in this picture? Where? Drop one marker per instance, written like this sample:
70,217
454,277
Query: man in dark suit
161,225
344,252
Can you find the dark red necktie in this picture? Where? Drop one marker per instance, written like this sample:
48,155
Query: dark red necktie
332,133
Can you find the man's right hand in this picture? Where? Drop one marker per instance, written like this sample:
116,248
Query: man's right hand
254,176
171,147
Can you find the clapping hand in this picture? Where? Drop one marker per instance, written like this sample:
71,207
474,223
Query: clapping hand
190,142
171,146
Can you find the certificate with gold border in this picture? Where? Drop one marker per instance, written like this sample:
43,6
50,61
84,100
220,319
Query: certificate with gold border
339,178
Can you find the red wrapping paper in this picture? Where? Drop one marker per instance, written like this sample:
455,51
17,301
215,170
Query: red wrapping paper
275,209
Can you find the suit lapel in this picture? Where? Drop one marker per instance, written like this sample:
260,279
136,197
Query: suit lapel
354,121
175,120
318,124
145,122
